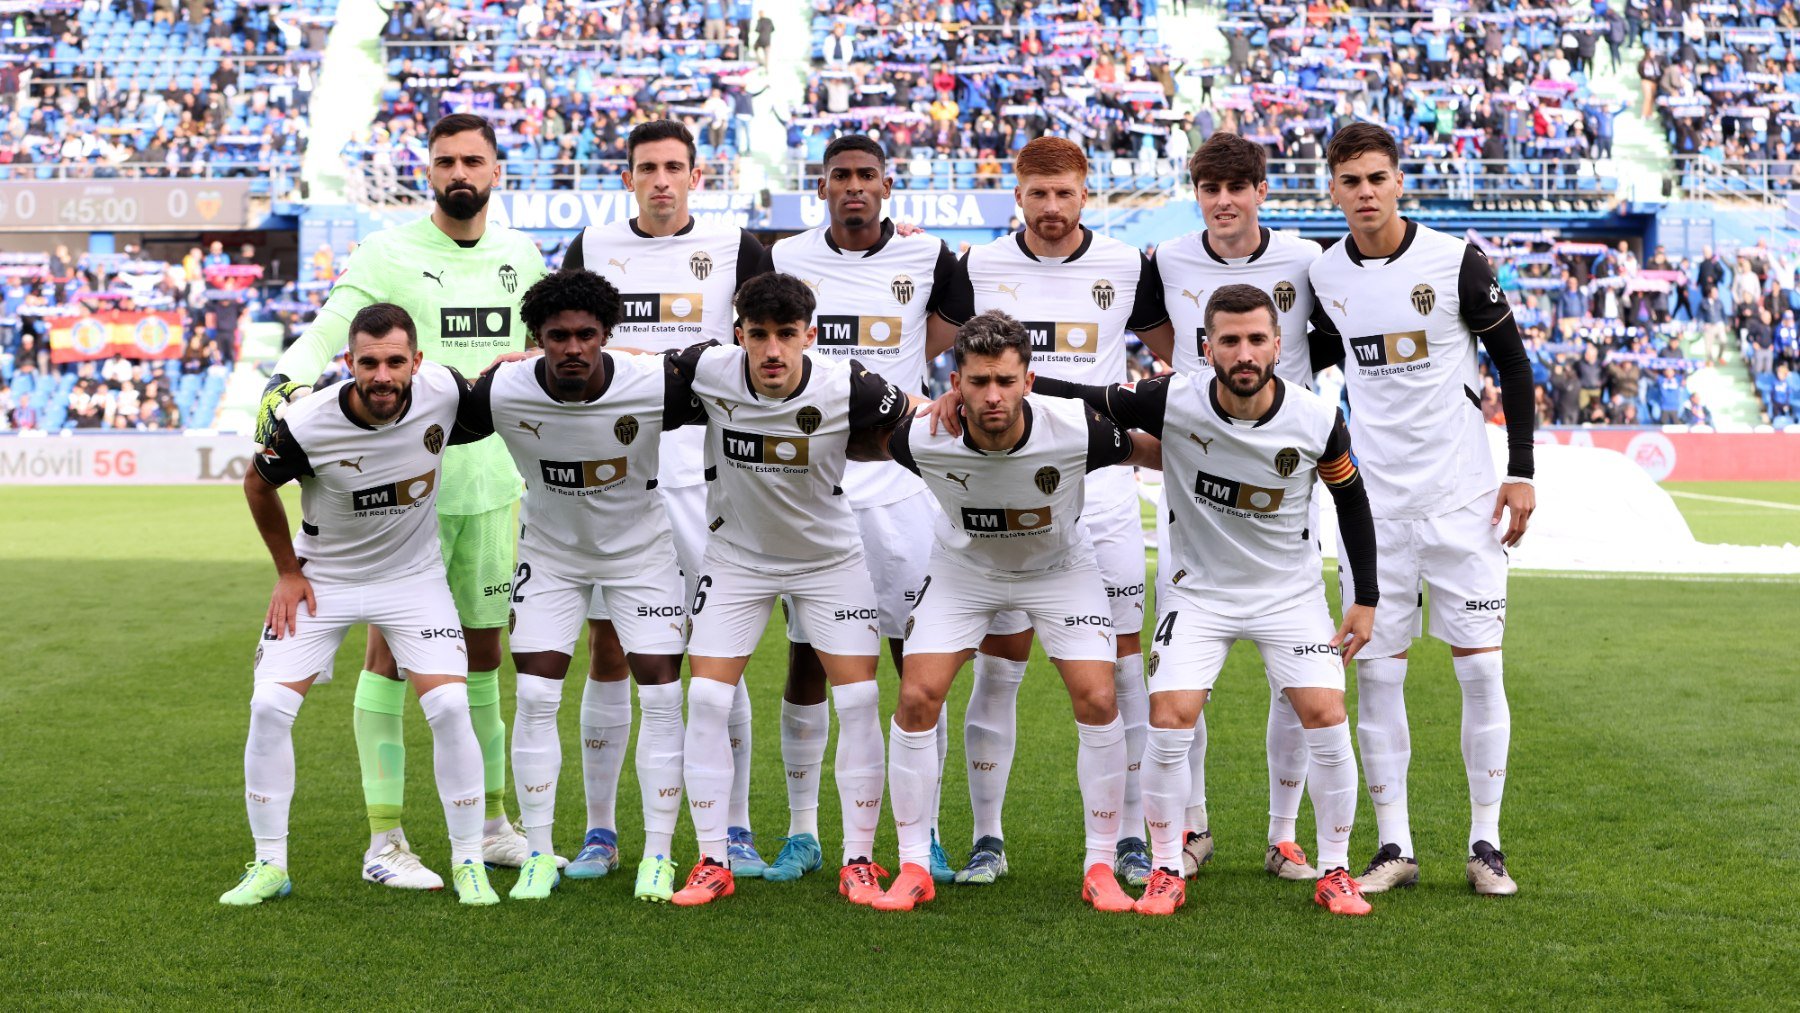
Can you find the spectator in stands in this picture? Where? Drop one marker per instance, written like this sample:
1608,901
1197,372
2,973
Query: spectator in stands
1590,377
1713,318
1787,339
1760,337
765,31
324,263
1622,378
1693,413
1571,307
1671,394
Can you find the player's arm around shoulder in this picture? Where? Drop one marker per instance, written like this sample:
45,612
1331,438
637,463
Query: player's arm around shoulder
275,465
1356,535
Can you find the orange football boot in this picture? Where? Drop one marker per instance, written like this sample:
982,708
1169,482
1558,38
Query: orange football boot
1165,893
860,881
1340,895
1100,889
912,887
706,883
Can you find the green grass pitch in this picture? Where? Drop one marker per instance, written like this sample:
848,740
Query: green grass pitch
1649,822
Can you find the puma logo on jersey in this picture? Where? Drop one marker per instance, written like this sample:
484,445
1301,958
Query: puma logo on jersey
533,430
1343,305
726,408
438,277
620,264
1194,296
1012,290
814,285
1205,445
357,464
962,480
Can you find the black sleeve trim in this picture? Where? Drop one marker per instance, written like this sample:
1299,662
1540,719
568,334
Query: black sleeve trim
474,409
1141,405
900,444
874,402
1147,308
283,460
753,258
1107,443
1338,443
941,273
1483,305
573,258
1356,537
680,406
958,303
1518,395
1324,342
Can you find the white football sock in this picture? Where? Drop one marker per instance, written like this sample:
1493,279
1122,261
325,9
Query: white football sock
859,767
943,754
537,757
659,764
805,728
1331,780
605,732
910,759
990,731
456,762
1100,771
1165,772
739,727
706,763
1134,712
1386,745
269,768
1486,737
1285,741
1195,819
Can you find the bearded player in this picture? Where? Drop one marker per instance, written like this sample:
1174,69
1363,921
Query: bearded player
461,281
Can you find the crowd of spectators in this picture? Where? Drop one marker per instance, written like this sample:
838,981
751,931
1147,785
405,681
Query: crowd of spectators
565,82
108,88
1614,339
210,292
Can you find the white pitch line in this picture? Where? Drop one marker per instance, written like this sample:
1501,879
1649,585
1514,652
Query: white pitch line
1771,504
1683,578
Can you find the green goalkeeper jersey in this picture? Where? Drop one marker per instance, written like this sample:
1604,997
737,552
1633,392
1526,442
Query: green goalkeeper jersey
465,303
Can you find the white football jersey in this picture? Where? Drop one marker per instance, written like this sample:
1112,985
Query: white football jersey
872,304
1076,310
368,494
675,291
1016,511
1191,272
1239,491
1408,324
589,466
775,495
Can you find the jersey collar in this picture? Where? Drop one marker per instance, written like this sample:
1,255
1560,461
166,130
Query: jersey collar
806,371
406,401
1087,240
1261,248
641,234
1025,408
887,233
542,372
1212,394
1406,241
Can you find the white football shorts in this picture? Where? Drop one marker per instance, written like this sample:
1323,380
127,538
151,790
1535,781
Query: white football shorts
415,613
892,536
686,506
1190,642
642,594
1116,533
956,607
1457,560
835,603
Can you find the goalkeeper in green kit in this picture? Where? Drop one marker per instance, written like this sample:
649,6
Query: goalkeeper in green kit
461,281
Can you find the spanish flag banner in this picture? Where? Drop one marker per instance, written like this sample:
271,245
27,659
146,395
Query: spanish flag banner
135,334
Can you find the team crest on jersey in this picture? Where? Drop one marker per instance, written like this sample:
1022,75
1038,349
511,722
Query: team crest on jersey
1103,294
512,619
902,287
1178,575
1424,298
626,429
1151,665
1286,461
1047,479
904,636
1284,296
509,278
259,649
808,419
701,265
434,438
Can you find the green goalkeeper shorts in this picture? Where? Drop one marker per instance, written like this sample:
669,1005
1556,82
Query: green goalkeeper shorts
478,558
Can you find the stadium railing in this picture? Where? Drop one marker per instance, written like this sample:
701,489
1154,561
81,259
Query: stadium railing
372,183
1766,181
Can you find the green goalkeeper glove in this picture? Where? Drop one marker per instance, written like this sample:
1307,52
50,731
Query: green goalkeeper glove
276,397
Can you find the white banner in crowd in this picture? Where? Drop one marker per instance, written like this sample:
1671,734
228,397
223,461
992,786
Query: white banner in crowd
124,458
